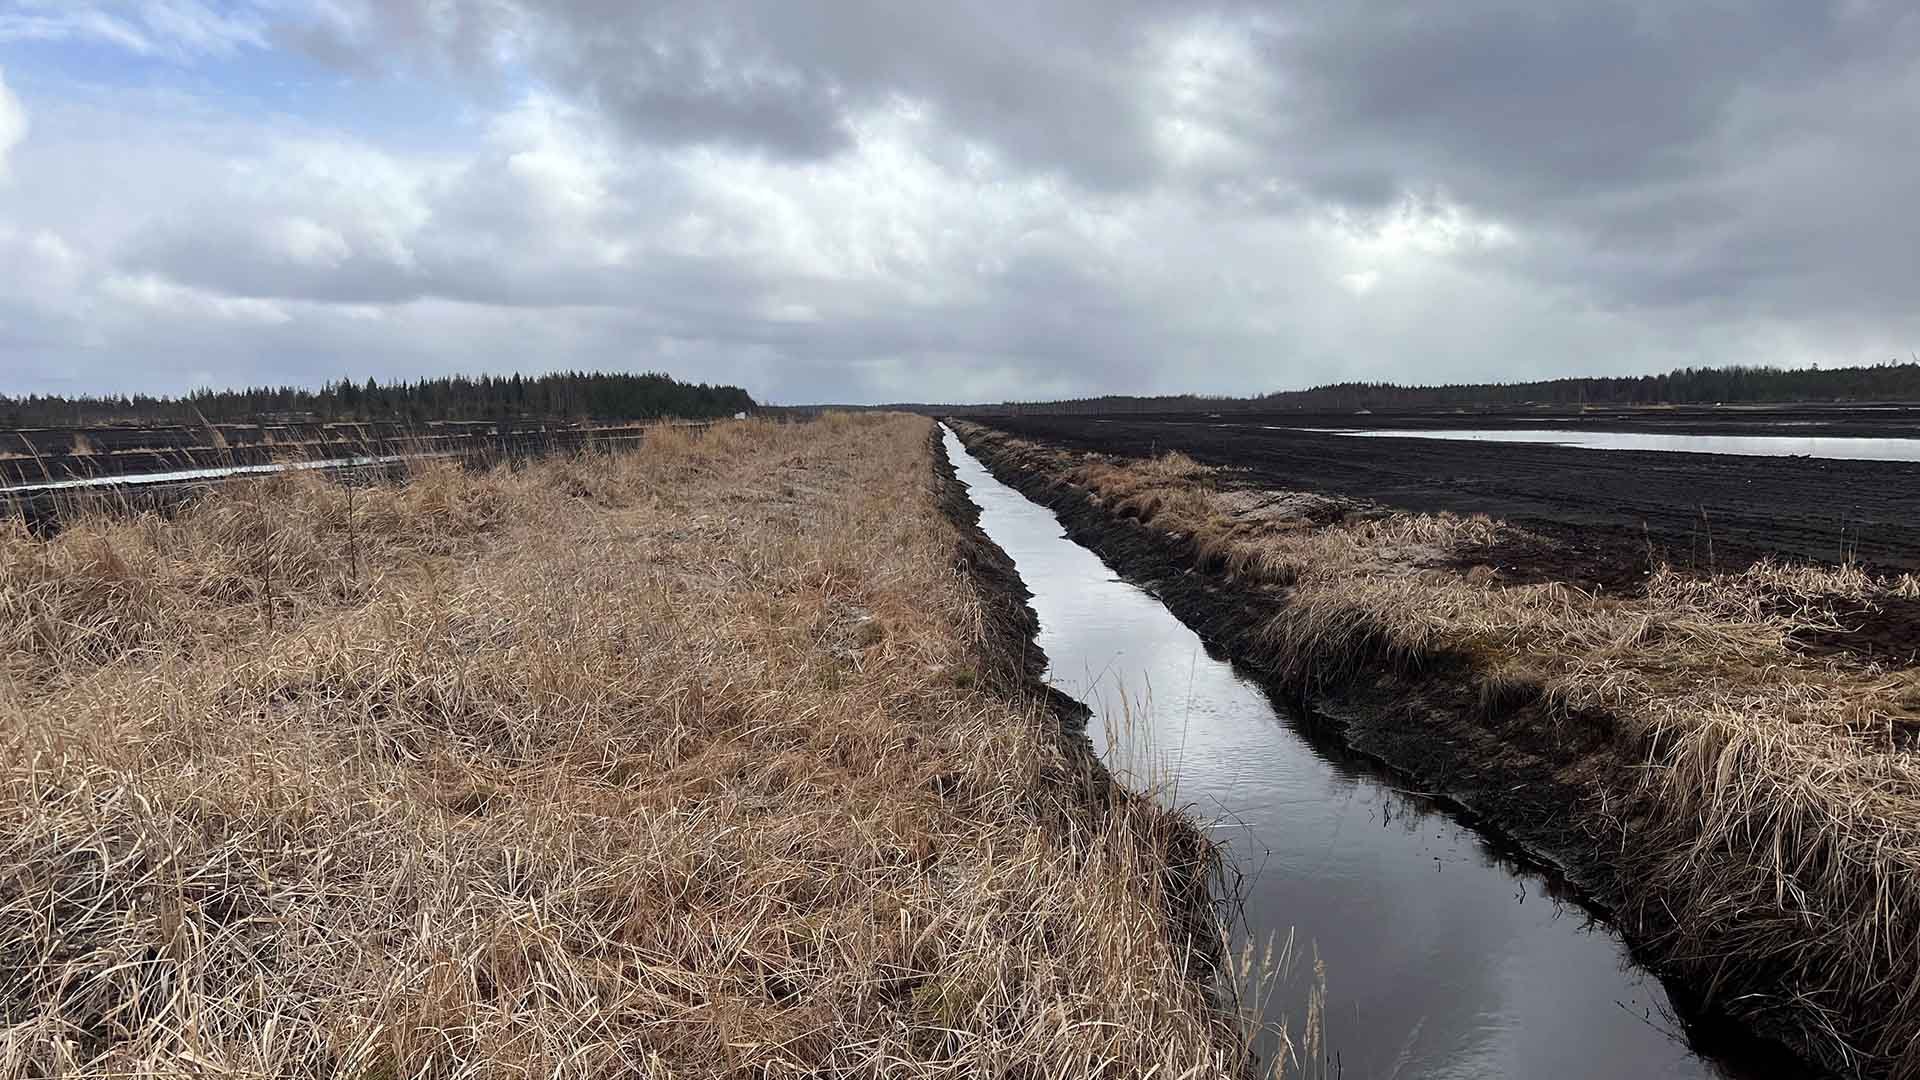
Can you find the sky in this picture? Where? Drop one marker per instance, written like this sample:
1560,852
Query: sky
894,200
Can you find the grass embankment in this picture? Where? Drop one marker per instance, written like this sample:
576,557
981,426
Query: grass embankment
1749,810
712,759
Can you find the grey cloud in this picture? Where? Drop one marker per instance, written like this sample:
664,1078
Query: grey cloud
680,85
1599,127
1513,106
483,241
683,293
1651,148
1680,182
1052,85
234,256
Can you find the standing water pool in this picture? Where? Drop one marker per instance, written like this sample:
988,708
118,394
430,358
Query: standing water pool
1442,958
1846,448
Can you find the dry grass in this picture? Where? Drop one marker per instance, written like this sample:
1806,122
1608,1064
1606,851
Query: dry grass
677,763
1764,801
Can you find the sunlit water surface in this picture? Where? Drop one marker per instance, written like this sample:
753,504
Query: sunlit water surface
1821,446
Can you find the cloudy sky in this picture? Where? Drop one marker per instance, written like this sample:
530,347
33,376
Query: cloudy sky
874,200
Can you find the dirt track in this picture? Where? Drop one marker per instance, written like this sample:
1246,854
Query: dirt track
1601,509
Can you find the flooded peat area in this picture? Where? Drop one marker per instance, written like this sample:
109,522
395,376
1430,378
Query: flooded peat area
221,472
1442,957
1846,448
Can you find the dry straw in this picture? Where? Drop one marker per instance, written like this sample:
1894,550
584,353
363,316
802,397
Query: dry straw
673,763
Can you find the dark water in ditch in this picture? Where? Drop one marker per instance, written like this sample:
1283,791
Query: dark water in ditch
1442,959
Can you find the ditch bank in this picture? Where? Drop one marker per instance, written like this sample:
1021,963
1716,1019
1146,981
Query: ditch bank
1565,786
1010,663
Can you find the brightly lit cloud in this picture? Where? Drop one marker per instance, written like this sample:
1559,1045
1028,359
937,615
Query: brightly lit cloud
13,123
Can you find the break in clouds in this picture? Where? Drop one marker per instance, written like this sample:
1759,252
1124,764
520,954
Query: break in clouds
873,201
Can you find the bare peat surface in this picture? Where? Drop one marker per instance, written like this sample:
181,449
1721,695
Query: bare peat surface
1602,513
1821,420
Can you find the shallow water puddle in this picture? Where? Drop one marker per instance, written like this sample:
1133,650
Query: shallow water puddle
1442,959
1852,448
217,472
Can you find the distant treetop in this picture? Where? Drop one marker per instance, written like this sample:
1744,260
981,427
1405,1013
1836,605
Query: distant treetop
571,395
1687,386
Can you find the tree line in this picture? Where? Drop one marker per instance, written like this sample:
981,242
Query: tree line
571,395
1686,386
1892,381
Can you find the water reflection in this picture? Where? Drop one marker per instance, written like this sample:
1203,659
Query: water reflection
216,472
1820,446
1442,959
